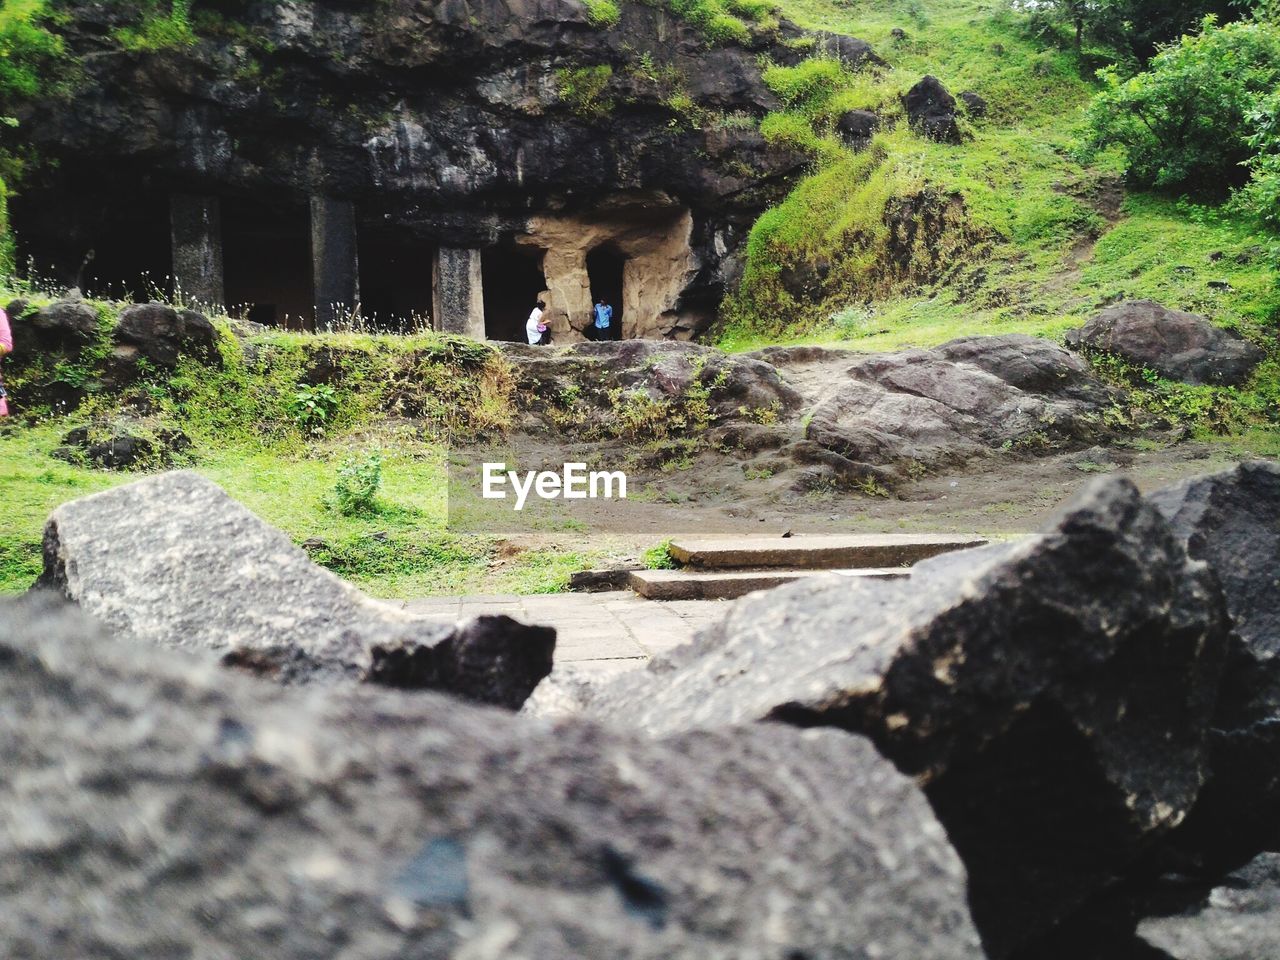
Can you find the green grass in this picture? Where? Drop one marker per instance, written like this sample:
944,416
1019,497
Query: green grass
404,549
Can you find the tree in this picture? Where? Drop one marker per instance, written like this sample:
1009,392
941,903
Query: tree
1135,29
1189,121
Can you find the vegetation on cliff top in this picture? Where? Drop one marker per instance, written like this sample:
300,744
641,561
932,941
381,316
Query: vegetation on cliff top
1044,232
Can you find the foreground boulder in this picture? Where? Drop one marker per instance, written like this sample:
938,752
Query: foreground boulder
1051,694
1231,521
1175,344
1239,921
938,407
152,807
173,561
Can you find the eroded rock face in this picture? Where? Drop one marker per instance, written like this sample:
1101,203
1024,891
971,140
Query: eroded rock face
173,561
1053,694
1239,921
928,408
653,370
64,326
209,812
1231,521
160,334
1176,344
445,124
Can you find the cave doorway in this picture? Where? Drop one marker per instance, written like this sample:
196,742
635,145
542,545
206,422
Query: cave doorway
133,255
266,262
606,269
395,280
513,280
110,241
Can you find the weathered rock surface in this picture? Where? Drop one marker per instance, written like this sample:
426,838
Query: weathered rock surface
447,125
64,326
1052,694
653,370
1175,344
173,561
160,334
1240,920
857,127
927,408
975,105
154,807
1231,521
931,109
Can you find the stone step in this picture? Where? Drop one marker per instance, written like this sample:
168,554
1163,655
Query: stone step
837,552
731,584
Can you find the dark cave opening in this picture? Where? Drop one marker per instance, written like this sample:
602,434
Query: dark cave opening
116,248
395,279
266,256
606,267
513,280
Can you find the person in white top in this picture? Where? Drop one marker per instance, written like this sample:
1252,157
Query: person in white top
535,328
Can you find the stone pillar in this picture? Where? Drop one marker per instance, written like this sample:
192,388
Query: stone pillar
335,265
457,286
195,229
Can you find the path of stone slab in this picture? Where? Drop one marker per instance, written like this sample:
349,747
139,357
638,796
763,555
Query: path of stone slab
597,632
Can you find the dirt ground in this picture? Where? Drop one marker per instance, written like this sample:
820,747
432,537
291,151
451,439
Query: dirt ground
998,497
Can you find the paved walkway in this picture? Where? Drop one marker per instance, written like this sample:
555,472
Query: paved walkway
595,631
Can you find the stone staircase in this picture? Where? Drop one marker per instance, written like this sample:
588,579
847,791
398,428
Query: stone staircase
724,568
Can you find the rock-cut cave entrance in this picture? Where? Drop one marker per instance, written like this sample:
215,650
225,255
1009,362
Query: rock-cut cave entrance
266,255
606,268
80,234
395,279
513,279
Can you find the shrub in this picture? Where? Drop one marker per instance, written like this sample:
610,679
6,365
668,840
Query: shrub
356,490
311,407
1261,195
1185,121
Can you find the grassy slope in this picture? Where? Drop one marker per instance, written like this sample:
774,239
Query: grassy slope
1022,184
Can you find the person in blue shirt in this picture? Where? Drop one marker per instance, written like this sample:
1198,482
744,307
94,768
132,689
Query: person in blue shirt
603,315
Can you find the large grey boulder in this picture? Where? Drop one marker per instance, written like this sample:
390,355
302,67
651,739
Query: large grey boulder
1239,921
1175,344
931,408
1231,521
173,561
1052,694
152,807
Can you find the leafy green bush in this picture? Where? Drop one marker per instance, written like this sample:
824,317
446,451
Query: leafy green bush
1261,195
1185,122
356,490
311,407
